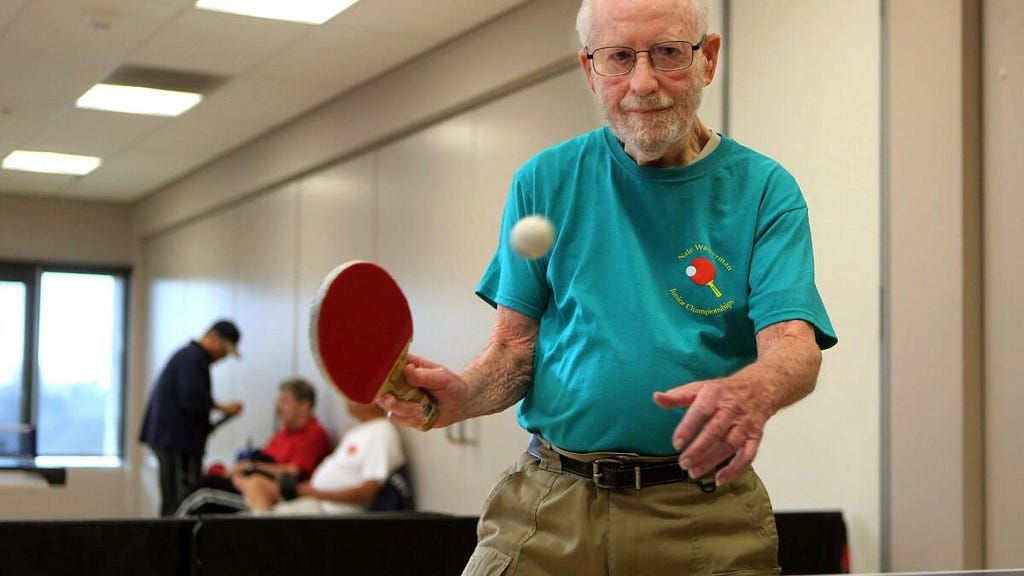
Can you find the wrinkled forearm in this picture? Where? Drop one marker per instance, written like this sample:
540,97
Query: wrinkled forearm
501,374
786,369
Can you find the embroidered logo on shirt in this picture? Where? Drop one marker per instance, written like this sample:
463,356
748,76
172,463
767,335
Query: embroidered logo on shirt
351,449
701,295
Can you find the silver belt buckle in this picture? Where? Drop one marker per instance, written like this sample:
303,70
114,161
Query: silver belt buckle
597,475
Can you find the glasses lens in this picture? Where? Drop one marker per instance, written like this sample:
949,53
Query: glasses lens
671,55
614,61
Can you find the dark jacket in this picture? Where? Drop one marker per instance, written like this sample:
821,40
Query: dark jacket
178,414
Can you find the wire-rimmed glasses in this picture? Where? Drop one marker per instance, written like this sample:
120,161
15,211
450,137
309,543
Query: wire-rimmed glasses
665,56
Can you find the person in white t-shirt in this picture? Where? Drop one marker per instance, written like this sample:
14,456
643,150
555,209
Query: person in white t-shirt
346,481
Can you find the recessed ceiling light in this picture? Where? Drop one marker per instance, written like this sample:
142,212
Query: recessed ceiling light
50,162
305,11
137,100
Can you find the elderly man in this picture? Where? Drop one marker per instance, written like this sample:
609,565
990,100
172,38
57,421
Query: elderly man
675,313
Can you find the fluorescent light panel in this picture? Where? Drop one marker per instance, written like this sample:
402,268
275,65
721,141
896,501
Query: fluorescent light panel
304,11
138,100
50,162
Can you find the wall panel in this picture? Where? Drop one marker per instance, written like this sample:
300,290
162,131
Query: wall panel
337,223
1003,81
59,230
264,281
805,90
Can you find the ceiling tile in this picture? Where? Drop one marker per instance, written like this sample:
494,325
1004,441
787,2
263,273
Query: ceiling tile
8,10
341,57
94,132
255,98
217,43
200,139
59,81
111,28
436,19
129,176
20,119
18,182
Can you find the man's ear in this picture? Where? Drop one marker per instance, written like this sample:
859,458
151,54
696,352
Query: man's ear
710,50
588,71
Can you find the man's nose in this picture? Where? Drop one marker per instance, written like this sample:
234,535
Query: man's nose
645,75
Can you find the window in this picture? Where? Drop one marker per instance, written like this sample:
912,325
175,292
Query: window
63,358
12,350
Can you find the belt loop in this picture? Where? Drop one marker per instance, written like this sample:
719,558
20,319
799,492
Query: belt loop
541,449
636,474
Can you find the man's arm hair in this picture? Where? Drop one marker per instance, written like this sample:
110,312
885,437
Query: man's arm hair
501,374
788,360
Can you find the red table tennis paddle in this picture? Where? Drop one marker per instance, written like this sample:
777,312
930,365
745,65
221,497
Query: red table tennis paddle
360,329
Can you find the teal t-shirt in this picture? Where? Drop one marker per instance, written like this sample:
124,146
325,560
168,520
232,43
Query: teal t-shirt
658,277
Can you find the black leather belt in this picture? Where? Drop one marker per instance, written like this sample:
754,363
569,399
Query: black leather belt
613,473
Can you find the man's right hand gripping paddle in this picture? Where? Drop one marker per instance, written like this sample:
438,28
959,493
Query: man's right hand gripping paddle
360,329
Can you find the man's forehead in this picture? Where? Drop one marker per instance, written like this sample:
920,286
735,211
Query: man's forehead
625,21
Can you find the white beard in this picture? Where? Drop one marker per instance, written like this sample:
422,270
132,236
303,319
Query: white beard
654,135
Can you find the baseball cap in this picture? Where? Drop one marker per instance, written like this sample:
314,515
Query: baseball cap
229,333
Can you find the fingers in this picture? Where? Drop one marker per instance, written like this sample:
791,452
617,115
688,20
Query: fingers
679,397
420,362
714,457
402,413
699,412
718,425
426,375
739,464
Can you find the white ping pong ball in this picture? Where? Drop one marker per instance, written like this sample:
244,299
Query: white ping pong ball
533,236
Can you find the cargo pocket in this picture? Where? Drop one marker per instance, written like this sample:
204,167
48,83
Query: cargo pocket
486,562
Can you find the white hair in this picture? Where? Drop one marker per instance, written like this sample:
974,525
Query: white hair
697,8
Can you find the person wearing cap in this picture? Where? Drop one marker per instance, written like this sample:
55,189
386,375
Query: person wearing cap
177,419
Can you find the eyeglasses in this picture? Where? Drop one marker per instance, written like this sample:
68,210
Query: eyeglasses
665,56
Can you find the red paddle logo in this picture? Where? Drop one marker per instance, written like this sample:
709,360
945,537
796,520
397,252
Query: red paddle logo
702,267
702,272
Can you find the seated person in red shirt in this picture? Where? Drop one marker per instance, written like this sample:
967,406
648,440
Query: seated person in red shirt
295,450
347,481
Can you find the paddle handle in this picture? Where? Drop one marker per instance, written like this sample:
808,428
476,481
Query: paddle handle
403,391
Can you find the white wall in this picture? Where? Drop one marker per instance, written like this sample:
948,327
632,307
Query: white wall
1003,81
934,409
62,231
805,90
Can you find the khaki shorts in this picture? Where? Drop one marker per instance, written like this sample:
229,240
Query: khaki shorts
541,521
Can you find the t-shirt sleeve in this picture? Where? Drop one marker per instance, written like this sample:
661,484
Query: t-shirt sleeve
376,461
782,285
510,280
